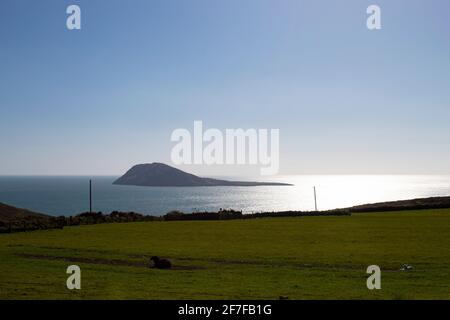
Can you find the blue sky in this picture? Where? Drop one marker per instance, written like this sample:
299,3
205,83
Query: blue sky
346,99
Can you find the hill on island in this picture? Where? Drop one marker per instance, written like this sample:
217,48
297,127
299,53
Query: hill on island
162,175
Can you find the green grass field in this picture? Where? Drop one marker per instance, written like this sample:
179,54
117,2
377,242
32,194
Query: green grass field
302,258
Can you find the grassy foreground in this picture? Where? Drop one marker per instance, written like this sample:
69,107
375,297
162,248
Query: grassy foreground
303,258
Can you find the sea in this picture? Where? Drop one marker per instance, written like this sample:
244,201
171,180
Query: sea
60,195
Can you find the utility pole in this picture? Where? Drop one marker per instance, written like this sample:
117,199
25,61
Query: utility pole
315,197
90,196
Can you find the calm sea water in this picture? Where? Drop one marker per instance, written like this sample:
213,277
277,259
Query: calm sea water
70,195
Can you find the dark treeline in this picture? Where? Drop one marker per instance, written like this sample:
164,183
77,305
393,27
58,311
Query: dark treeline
31,223
220,215
99,217
16,220
232,214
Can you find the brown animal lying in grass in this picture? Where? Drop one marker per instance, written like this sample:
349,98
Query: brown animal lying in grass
159,263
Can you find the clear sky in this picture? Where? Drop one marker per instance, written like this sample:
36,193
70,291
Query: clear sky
346,100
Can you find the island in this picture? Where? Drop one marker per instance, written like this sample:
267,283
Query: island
162,175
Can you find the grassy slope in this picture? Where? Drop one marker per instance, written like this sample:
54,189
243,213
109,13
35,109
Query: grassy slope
9,214
303,258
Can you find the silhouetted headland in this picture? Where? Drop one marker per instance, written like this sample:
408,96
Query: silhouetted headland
14,219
